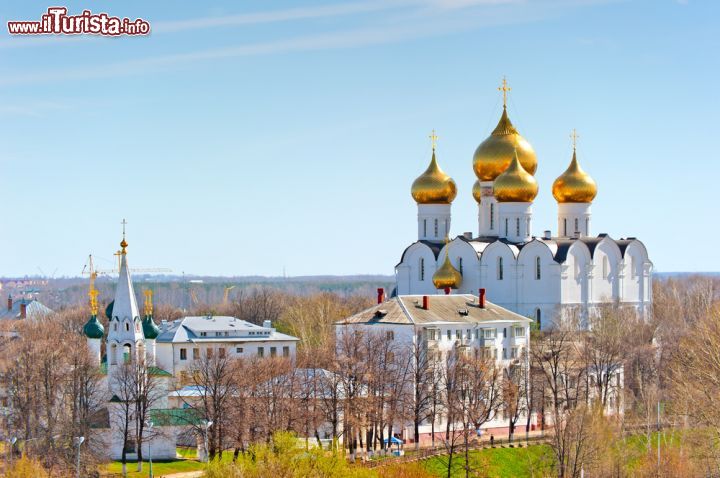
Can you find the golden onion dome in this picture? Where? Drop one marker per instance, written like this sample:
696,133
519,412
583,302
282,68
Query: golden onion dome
494,154
574,185
447,276
515,184
477,191
434,186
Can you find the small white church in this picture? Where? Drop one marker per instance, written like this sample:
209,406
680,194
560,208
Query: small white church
542,277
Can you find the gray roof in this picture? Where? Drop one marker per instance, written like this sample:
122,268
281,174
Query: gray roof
217,329
407,309
33,310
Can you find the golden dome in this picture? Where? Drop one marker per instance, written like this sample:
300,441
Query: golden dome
515,184
574,185
477,191
434,186
447,275
494,154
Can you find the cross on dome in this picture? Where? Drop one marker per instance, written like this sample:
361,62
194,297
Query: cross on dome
504,88
574,137
433,139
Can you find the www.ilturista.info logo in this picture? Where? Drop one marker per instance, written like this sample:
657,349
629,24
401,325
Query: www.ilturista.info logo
57,22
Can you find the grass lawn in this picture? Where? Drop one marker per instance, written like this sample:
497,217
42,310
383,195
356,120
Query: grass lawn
496,462
159,468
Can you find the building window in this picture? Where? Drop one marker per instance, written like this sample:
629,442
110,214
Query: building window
605,267
537,268
504,353
506,227
469,334
261,351
127,326
517,226
424,227
489,333
513,352
286,351
633,271
505,332
460,266
239,350
390,335
500,268
449,334
273,351
431,335
587,226
126,354
422,269
113,352
196,354
115,327
492,216
209,353
538,316
204,334
218,334
458,334
519,331
183,354
446,227
577,228
436,228
565,227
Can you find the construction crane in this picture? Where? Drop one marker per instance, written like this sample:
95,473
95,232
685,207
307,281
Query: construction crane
227,293
93,273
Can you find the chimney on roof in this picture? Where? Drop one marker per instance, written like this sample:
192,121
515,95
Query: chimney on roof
481,298
467,235
9,302
380,295
23,310
426,302
447,290
547,234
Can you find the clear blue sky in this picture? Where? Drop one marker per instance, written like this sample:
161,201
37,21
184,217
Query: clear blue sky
241,138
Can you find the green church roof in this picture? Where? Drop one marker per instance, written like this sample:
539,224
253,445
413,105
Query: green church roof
93,329
150,330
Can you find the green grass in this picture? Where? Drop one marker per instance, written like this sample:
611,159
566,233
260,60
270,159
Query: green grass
159,468
496,462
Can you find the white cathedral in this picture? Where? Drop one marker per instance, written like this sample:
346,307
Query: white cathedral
542,277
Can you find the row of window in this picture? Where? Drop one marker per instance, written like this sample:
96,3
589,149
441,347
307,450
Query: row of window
238,350
500,268
435,226
577,226
486,333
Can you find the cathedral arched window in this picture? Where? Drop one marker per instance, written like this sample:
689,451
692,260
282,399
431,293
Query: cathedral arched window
506,227
424,227
537,268
422,269
565,227
538,316
577,227
127,326
126,353
605,267
500,271
492,216
460,265
436,228
517,226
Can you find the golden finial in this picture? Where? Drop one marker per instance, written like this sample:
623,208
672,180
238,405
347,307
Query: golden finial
574,137
148,302
123,243
433,139
93,293
504,88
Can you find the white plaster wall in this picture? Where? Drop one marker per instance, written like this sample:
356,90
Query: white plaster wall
570,212
514,211
502,292
412,261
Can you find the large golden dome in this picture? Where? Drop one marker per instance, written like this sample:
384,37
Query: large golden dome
574,185
434,186
515,184
447,275
494,154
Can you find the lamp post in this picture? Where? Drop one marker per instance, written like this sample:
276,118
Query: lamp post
149,427
79,441
208,424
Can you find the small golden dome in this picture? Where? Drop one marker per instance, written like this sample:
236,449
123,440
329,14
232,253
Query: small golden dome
494,154
123,244
434,186
447,275
515,184
574,185
477,191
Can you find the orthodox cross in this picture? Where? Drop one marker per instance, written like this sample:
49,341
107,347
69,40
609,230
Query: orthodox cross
433,139
504,88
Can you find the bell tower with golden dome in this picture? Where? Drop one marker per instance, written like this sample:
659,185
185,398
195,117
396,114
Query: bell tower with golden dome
515,190
434,192
574,190
491,159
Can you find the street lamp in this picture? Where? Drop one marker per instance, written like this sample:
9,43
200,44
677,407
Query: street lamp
149,427
79,441
208,424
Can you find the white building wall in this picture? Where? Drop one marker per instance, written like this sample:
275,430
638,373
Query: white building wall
433,221
574,218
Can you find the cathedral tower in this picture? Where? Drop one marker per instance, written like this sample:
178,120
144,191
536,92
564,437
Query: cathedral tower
515,190
434,192
574,190
491,158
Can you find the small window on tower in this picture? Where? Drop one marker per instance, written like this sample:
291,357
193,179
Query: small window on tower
587,226
436,228
565,227
506,227
127,326
424,227
492,216
577,228
517,226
